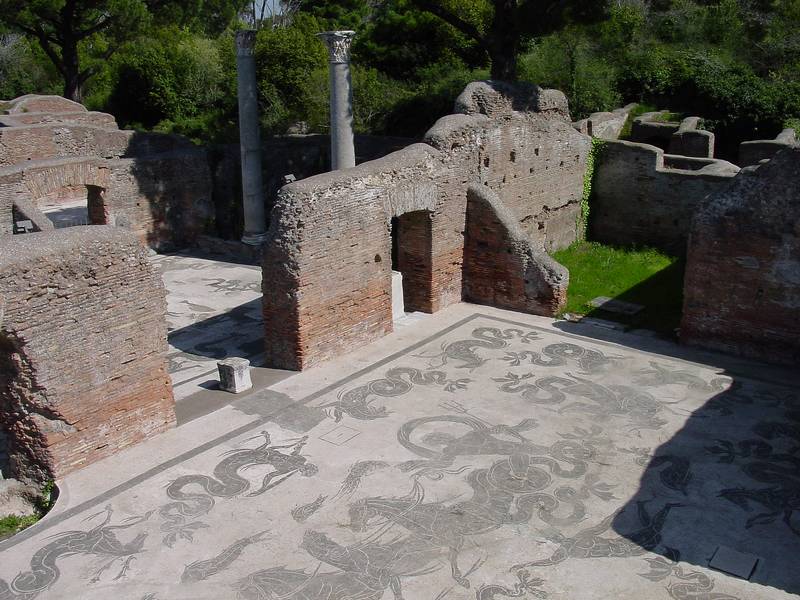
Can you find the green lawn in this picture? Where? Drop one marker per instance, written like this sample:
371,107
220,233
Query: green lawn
642,276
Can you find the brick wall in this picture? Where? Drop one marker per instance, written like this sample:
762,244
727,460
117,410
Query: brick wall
753,152
327,264
502,265
642,196
42,142
327,267
165,199
36,103
742,285
82,348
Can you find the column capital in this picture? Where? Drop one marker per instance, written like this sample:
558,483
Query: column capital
245,42
338,43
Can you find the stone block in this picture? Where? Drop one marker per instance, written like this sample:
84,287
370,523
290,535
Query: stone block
398,307
234,375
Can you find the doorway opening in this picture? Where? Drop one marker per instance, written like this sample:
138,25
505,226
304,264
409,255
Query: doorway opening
71,206
411,263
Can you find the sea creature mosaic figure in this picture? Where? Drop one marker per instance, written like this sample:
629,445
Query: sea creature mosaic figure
591,543
227,483
510,492
357,402
362,571
100,541
490,338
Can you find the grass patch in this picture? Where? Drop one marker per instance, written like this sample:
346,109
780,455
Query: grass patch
11,524
639,275
637,111
668,117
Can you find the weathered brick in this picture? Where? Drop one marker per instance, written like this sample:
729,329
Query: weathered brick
82,348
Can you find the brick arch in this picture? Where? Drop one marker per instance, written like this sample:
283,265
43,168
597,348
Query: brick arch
43,180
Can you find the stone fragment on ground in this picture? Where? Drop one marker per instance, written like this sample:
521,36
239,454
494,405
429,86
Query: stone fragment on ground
17,498
616,306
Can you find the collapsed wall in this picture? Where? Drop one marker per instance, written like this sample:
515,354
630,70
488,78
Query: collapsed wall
328,258
644,197
503,267
82,349
53,152
742,285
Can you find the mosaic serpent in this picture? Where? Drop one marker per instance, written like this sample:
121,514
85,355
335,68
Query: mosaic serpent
227,483
490,338
357,402
690,585
483,439
781,470
507,493
639,407
99,541
558,355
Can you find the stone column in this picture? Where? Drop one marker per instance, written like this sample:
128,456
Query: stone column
255,219
343,153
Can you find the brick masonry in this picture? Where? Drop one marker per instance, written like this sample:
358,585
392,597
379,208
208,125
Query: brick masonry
742,286
502,265
642,196
158,186
327,267
82,349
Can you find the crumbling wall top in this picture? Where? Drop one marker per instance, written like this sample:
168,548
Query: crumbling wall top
498,99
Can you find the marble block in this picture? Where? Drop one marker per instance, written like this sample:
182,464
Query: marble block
234,375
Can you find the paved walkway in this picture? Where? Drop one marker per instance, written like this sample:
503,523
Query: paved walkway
473,454
213,311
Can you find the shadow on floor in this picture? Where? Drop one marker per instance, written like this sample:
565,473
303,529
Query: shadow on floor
728,479
662,298
237,332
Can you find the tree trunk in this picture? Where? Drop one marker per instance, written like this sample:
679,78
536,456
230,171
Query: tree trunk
502,40
72,74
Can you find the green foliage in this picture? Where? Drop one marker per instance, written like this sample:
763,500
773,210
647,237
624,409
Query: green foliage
567,61
639,275
588,183
23,68
291,63
11,524
183,86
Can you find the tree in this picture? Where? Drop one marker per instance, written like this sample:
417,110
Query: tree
67,29
511,22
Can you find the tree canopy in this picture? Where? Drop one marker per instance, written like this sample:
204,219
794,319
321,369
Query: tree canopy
78,35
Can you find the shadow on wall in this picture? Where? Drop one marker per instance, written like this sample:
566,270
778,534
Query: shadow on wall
728,478
162,189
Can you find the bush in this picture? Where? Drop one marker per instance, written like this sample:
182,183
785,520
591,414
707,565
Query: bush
182,86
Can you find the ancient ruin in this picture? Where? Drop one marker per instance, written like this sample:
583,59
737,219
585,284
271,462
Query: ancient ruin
420,286
328,257
54,155
742,290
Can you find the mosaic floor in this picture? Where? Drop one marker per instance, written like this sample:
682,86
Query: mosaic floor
213,311
498,457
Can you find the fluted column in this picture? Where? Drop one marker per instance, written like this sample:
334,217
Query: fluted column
343,153
255,218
